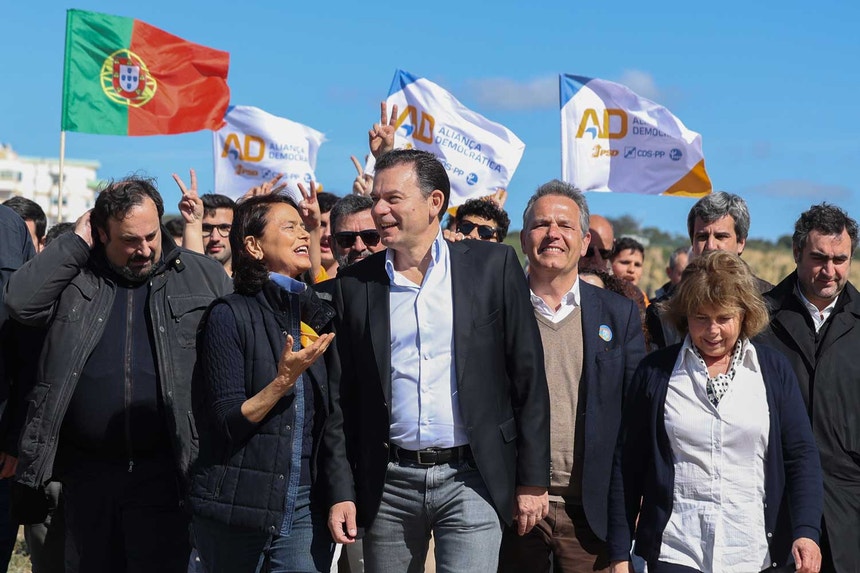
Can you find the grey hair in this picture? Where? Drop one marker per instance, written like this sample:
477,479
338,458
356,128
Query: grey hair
827,220
716,206
348,205
562,189
673,258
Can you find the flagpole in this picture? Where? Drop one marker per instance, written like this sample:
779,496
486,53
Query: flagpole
60,180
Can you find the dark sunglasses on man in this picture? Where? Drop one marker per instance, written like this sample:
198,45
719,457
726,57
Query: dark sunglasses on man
605,254
485,232
346,239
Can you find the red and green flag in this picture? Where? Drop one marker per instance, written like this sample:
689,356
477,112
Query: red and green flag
125,77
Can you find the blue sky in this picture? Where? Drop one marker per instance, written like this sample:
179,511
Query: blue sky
772,87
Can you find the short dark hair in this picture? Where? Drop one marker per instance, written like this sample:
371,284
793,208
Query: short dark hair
175,226
214,201
326,201
29,210
347,206
117,198
826,219
57,230
718,205
486,209
249,220
628,244
562,189
429,172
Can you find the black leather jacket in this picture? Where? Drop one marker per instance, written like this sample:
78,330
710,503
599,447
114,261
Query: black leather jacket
65,291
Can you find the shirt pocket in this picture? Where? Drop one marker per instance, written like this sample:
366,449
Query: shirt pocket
186,310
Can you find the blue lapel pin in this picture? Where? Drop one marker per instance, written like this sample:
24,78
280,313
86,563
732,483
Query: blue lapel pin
605,332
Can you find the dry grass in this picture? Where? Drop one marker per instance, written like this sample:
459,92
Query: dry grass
772,265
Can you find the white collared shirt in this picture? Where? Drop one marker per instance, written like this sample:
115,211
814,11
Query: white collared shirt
569,302
819,317
717,522
425,407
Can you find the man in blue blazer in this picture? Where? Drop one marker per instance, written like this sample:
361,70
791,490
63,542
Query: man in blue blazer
440,418
593,342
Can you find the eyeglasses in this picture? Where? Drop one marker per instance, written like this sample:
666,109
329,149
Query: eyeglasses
346,239
604,253
485,232
223,229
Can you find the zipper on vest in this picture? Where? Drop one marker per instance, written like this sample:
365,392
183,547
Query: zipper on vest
127,365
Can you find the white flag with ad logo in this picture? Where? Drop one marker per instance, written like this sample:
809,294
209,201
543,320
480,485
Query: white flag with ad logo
254,146
479,155
614,140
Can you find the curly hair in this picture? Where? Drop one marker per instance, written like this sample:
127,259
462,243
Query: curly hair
488,210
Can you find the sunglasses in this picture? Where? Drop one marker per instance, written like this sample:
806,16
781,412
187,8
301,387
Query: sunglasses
346,239
223,229
485,232
604,253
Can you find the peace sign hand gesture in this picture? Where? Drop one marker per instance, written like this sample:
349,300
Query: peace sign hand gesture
381,135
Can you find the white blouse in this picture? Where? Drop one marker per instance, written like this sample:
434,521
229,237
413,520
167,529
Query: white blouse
717,521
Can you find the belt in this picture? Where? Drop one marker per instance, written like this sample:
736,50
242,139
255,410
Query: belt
430,456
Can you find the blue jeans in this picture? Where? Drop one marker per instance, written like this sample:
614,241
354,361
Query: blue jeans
449,500
307,549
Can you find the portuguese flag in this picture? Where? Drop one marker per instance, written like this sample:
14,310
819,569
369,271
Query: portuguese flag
125,77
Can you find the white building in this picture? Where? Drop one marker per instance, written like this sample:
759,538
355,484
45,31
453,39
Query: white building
37,178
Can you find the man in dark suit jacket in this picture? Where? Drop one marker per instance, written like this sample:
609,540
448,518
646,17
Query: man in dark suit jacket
440,419
593,342
815,322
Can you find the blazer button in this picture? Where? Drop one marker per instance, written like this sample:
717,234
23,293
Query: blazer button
769,535
281,476
385,445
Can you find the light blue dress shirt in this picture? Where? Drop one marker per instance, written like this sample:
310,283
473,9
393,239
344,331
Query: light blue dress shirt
425,407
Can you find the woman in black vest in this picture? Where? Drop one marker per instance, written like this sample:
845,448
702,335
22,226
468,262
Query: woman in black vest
261,399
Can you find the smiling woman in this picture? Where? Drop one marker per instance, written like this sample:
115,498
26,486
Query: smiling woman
717,383
262,402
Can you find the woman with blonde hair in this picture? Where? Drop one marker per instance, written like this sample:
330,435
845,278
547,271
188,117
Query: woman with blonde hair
716,468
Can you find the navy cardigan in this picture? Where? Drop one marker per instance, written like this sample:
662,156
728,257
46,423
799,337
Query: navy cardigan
643,468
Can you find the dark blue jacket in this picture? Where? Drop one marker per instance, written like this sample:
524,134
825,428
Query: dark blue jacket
644,466
247,473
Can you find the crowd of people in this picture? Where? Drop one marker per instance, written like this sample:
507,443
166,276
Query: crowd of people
264,384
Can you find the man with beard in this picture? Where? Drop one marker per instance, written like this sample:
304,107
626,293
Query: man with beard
354,236
110,415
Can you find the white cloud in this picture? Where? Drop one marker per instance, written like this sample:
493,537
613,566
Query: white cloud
508,93
802,189
642,83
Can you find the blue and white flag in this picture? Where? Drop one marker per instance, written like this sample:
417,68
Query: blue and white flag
254,146
479,155
614,140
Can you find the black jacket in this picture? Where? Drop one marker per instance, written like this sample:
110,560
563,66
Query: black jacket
246,471
64,290
643,472
500,376
829,380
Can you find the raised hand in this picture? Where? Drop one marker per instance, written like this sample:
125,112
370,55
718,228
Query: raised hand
83,229
309,207
381,135
363,183
292,364
270,186
190,205
499,197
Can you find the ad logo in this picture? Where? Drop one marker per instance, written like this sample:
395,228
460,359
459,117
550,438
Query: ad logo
608,129
419,130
